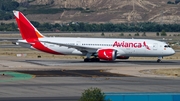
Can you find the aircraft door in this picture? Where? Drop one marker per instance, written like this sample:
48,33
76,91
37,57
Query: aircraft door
129,51
78,43
155,46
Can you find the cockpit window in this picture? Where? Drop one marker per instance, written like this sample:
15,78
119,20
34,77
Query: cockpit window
167,46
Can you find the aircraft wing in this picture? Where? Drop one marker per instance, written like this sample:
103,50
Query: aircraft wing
9,39
23,43
80,48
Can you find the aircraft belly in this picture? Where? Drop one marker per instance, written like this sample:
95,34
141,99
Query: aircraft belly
142,52
148,53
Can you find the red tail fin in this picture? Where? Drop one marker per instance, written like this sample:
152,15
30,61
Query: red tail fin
27,30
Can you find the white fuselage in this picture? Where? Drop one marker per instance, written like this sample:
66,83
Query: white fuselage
124,47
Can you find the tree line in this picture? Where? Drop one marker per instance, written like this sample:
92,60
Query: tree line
6,8
106,27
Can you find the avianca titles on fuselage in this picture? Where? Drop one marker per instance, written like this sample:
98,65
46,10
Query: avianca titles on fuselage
100,48
130,44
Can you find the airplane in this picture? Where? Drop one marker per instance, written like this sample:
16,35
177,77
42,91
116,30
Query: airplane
94,49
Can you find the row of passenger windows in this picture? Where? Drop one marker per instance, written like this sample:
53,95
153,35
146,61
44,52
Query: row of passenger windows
70,43
97,44
90,44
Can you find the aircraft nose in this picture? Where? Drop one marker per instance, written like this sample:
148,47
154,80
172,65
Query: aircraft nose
172,51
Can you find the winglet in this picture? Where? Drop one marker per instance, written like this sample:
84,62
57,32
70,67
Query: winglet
27,30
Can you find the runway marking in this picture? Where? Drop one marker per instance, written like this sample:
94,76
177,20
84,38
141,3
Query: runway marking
15,76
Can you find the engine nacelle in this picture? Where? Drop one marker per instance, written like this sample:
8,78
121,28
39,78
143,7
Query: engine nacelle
122,57
107,54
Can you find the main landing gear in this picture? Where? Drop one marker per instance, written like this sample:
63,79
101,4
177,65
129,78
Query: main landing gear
159,59
91,60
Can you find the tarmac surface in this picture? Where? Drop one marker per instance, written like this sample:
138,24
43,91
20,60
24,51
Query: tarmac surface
40,98
65,80
105,63
71,87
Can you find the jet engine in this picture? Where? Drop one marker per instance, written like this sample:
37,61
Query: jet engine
107,54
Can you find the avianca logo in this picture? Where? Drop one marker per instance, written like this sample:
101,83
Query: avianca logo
131,44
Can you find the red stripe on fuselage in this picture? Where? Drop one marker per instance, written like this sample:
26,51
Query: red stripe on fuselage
41,47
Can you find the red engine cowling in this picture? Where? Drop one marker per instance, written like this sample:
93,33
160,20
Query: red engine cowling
107,54
122,57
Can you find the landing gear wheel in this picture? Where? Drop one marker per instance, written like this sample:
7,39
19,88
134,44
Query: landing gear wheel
91,60
95,59
86,60
159,60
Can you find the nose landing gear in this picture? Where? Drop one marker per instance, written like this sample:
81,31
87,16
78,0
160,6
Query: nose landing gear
159,59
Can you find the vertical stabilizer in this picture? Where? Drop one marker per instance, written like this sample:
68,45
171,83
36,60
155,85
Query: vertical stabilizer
27,30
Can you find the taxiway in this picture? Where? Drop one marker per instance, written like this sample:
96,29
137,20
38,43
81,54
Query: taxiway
67,79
